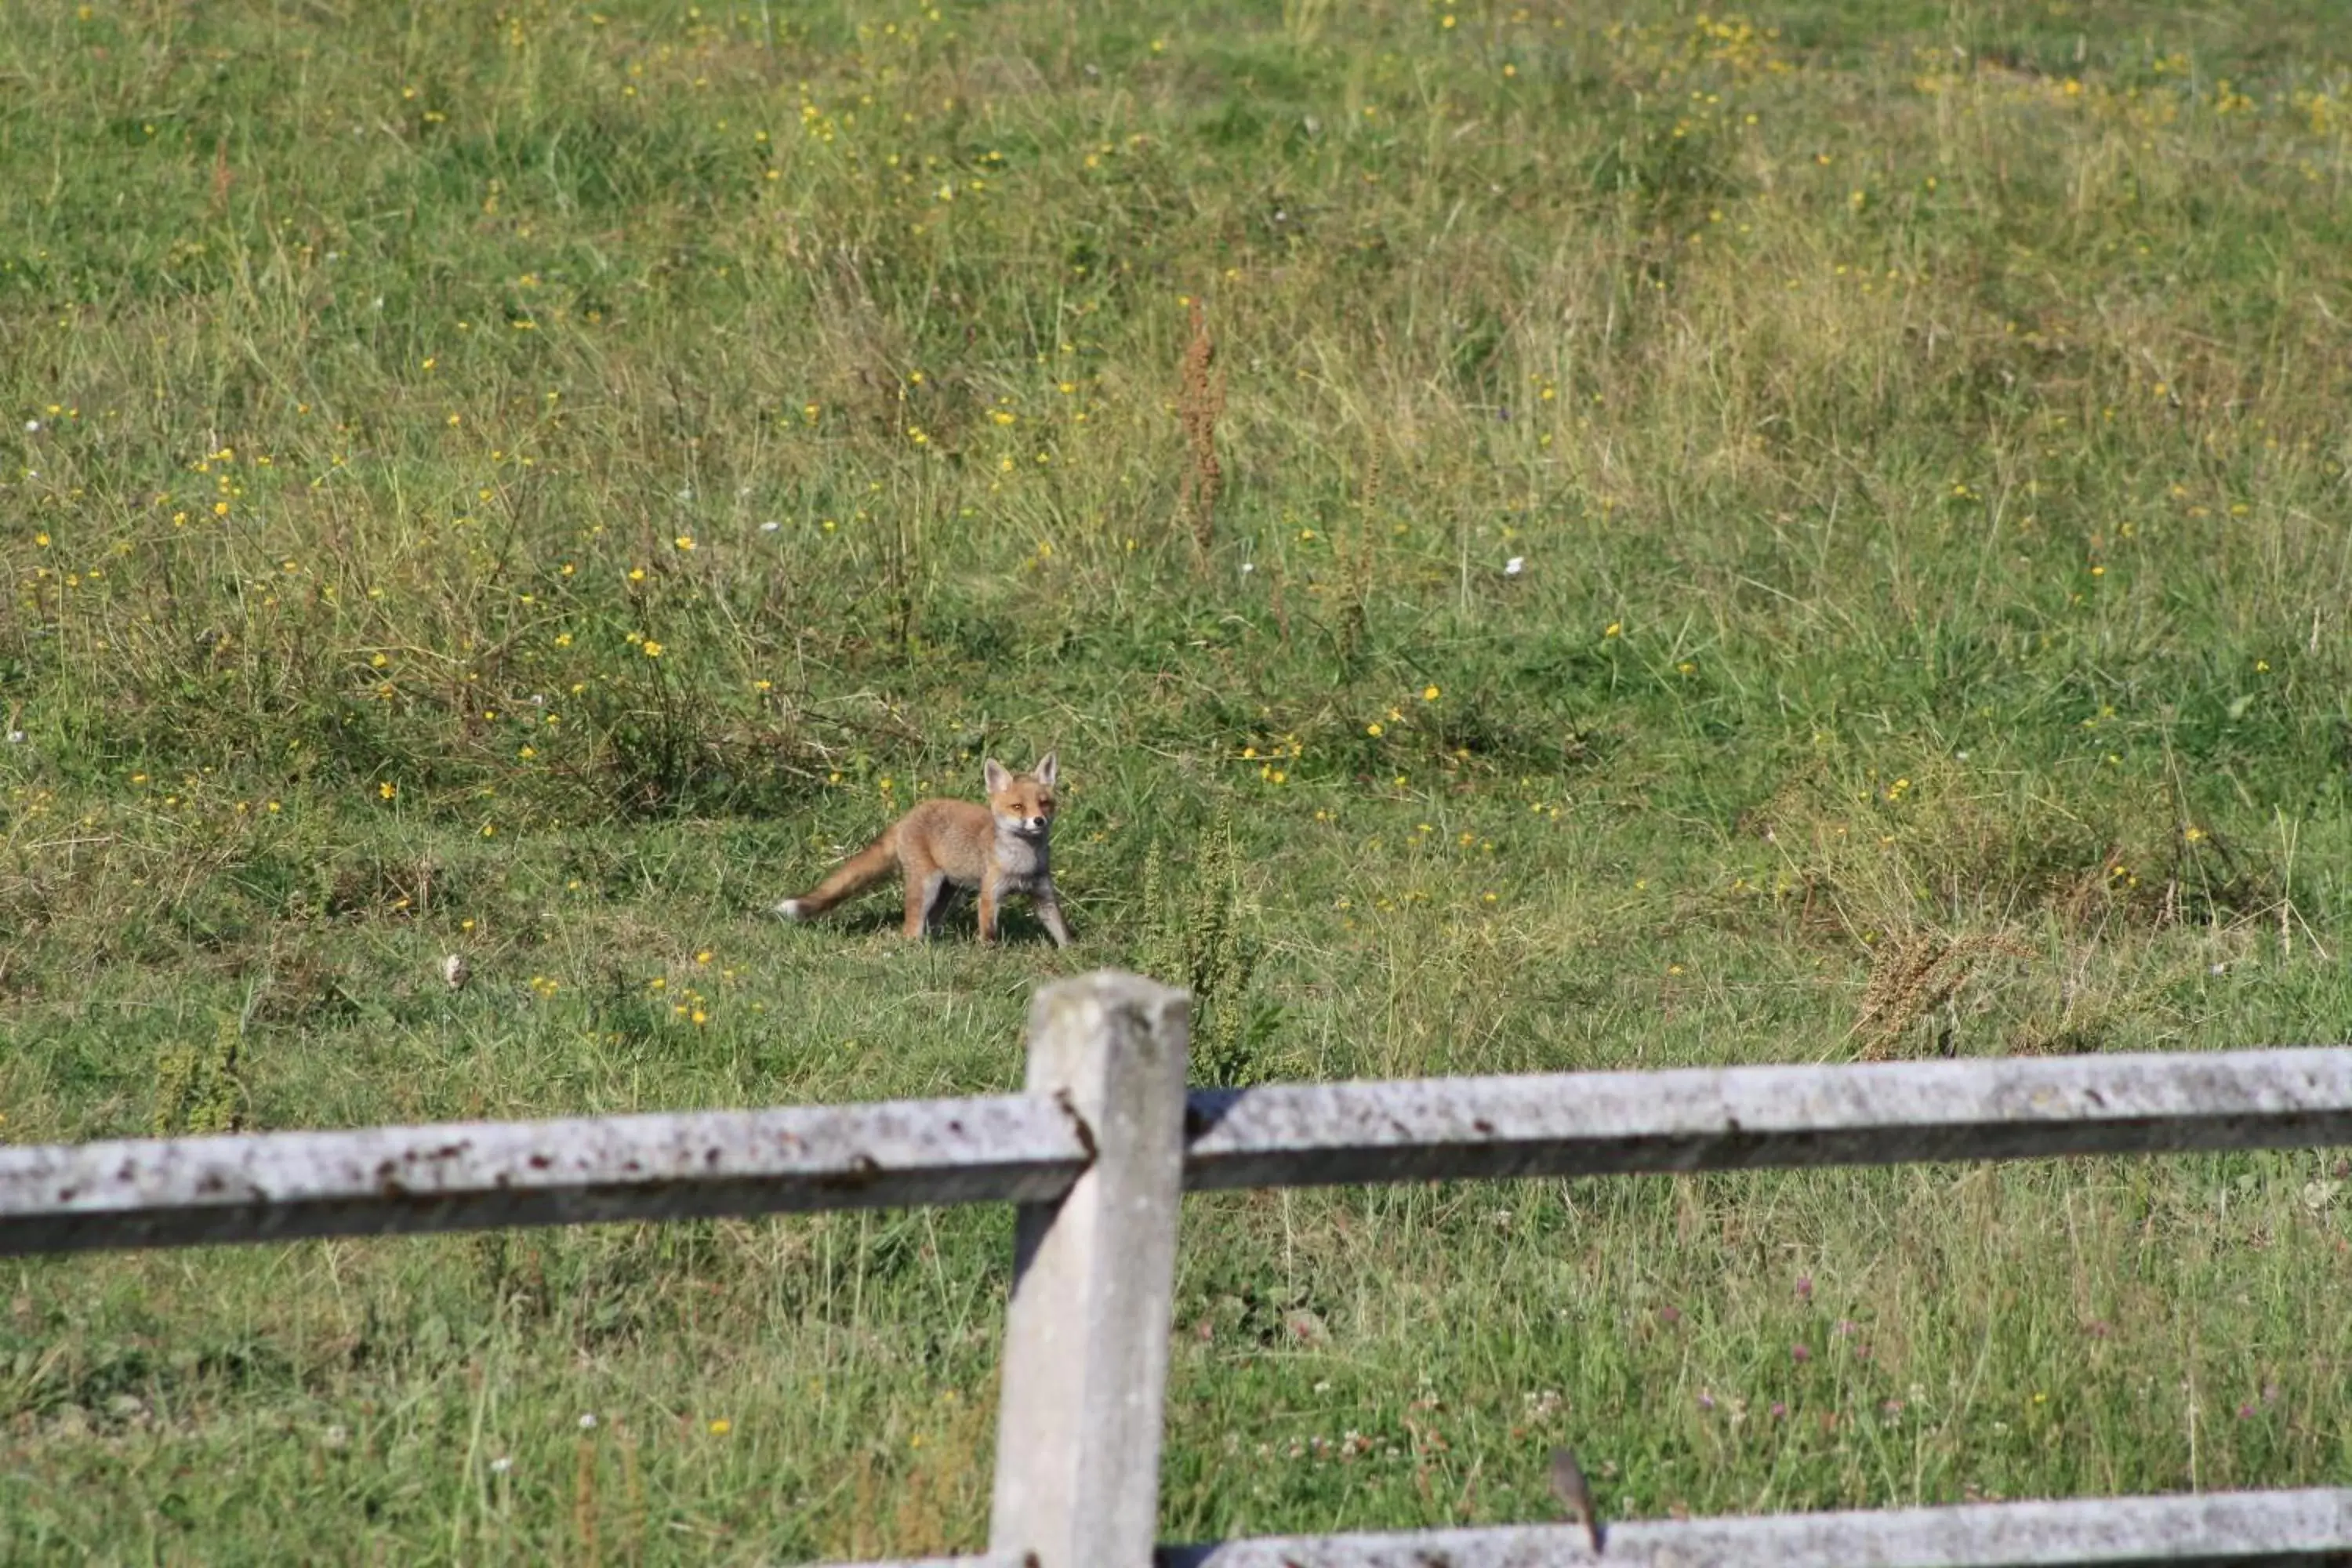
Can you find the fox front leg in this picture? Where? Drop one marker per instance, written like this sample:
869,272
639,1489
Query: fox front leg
1049,914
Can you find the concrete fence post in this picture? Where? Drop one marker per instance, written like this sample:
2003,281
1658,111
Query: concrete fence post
1086,1337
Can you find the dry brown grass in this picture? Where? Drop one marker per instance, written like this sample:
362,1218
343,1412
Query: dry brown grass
1915,976
1199,404
939,1482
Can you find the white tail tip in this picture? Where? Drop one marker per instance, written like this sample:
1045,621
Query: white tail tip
791,910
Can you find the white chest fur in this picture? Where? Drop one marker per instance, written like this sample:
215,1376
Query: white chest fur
1021,861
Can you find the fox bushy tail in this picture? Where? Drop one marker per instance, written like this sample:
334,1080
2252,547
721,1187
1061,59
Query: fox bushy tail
874,864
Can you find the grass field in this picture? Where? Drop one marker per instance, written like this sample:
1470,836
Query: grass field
1544,541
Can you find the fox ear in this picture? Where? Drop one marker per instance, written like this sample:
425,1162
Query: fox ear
993,773
1044,772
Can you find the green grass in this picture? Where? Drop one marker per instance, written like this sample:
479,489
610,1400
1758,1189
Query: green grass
1922,431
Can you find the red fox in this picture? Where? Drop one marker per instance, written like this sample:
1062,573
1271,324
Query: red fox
998,849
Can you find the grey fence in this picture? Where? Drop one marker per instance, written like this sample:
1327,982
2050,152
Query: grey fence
1097,1153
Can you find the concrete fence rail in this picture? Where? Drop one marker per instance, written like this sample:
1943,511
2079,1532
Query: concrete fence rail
2284,1527
2214,1528
1097,1153
275,1187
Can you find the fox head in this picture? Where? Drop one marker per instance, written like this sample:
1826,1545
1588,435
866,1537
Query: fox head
1023,802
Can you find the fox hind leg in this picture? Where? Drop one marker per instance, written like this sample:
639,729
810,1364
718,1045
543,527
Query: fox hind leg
945,896
927,894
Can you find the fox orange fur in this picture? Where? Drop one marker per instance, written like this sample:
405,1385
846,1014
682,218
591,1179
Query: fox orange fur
998,849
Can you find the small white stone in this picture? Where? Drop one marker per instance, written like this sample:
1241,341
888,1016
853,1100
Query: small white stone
455,970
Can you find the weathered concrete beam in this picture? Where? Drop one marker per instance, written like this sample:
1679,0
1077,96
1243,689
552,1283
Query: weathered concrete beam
1026,1149
473,1175
1739,1118
2237,1528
